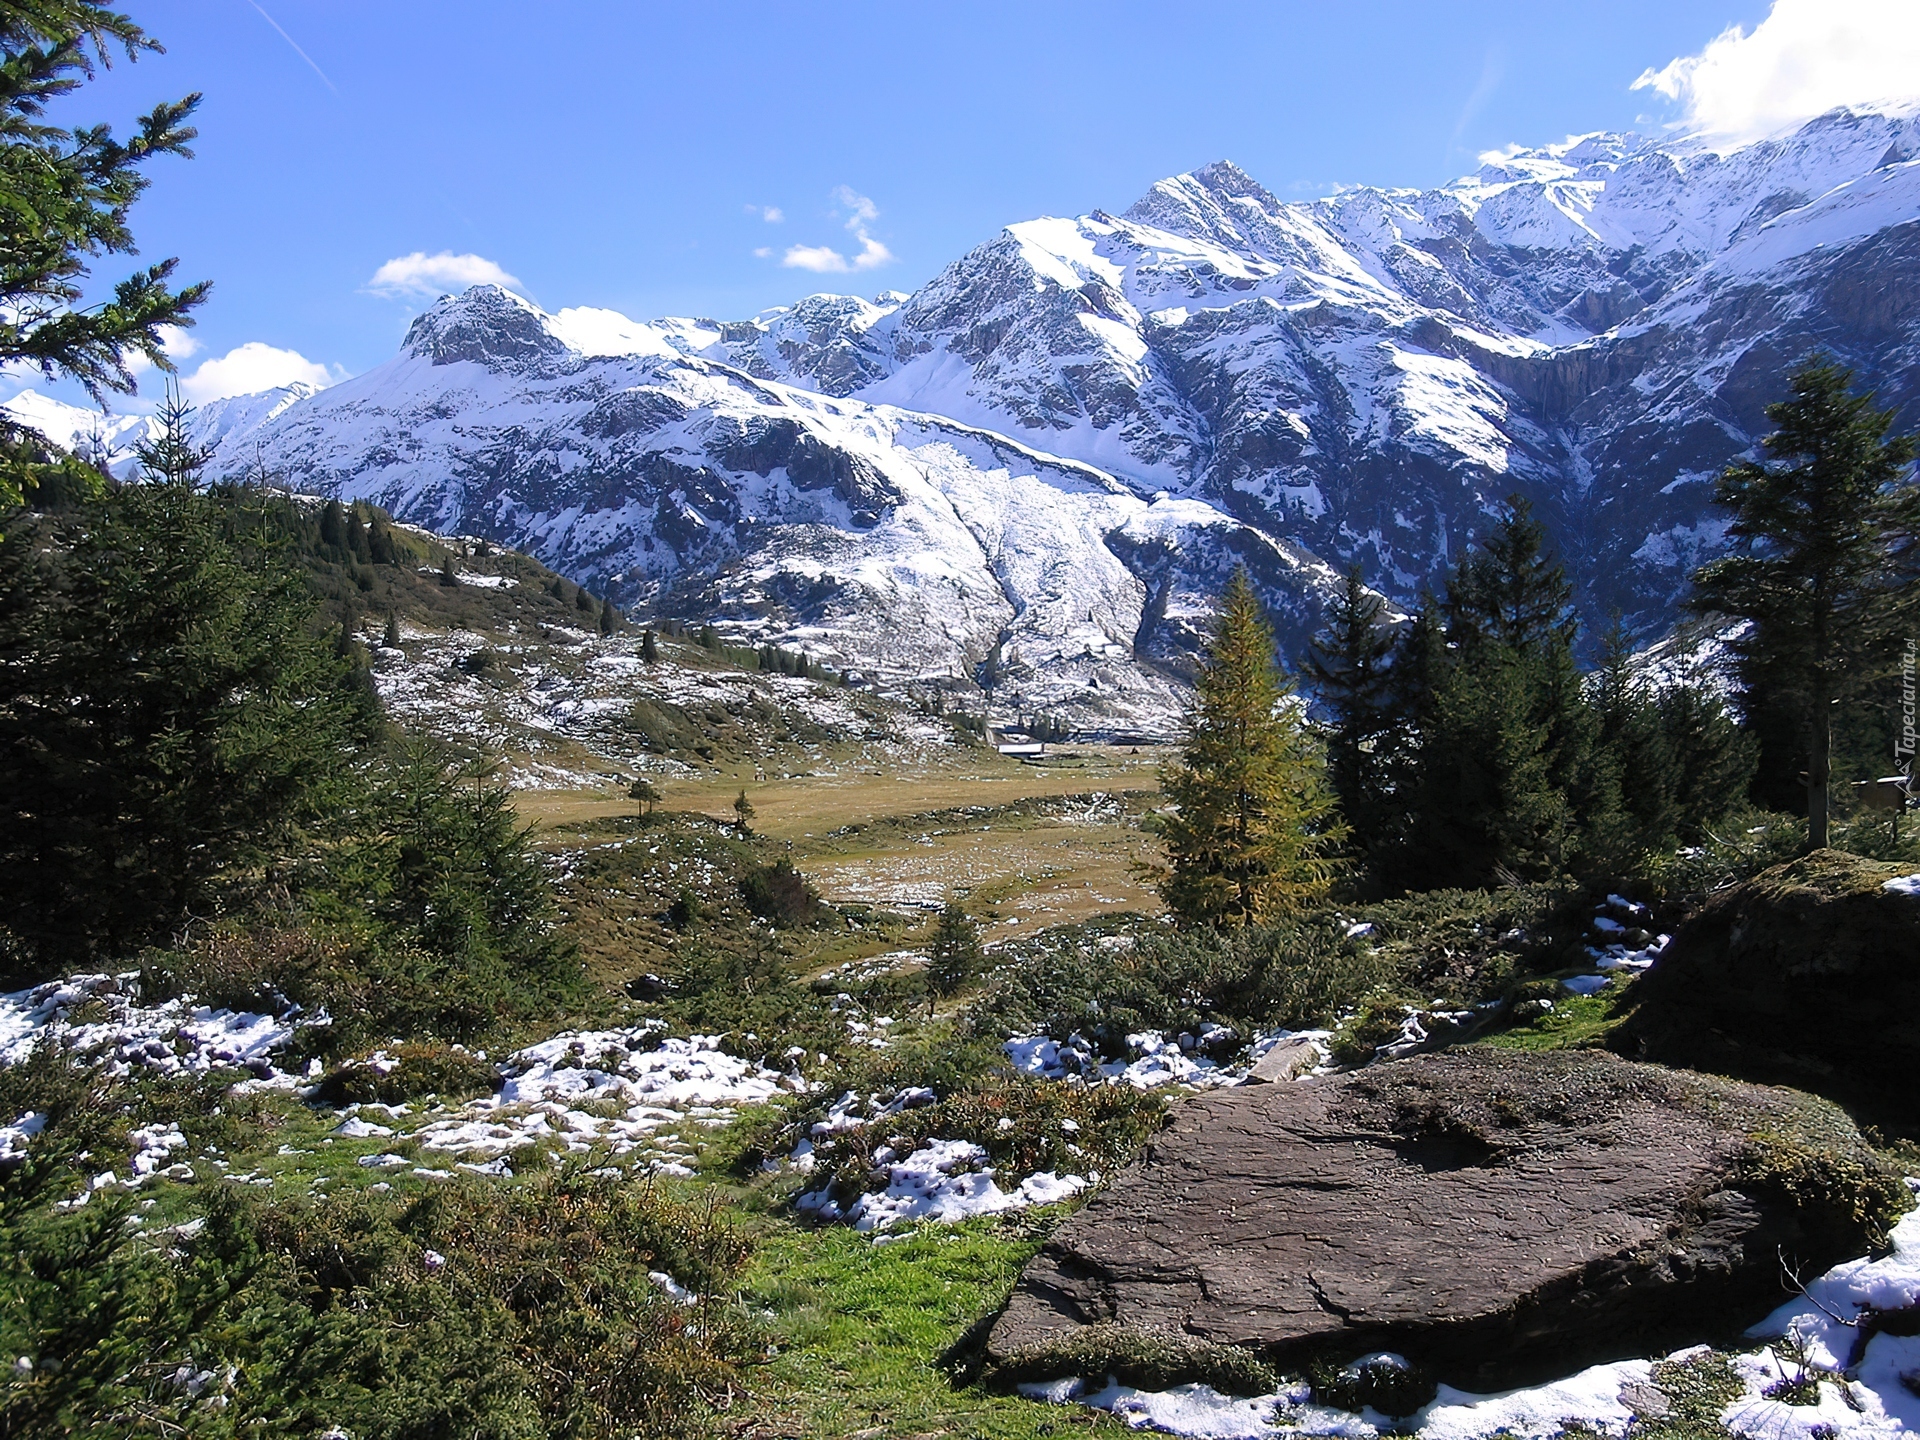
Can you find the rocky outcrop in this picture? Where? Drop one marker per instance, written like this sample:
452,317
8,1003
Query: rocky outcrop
1496,1217
1806,975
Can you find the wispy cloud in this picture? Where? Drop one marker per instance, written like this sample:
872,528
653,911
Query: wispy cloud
1805,58
296,47
1493,70
253,367
825,260
426,276
772,214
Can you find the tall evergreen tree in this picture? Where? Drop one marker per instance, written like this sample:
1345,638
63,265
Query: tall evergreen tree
64,200
1254,822
1349,664
170,715
1504,778
1825,562
649,646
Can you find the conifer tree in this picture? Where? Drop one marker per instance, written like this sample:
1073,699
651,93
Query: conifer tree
391,640
743,813
606,617
356,538
1254,822
649,647
582,601
380,543
1348,662
644,794
955,956
1504,779
66,195
169,714
170,457
333,527
1825,562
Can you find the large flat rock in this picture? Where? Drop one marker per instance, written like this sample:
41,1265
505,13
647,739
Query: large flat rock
1499,1217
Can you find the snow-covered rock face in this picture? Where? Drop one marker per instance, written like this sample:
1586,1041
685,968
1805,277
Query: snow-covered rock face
874,538
1059,445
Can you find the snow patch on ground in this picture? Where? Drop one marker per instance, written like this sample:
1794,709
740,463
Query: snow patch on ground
100,1017
942,1180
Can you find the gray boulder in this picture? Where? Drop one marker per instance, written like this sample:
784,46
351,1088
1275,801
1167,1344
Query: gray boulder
1497,1217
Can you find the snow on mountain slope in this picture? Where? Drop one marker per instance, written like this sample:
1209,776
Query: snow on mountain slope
873,537
218,424
1595,324
1045,459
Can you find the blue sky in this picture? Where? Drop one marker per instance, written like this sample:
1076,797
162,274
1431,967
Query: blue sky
627,155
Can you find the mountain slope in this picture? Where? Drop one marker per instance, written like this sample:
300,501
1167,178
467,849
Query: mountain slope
1043,462
878,538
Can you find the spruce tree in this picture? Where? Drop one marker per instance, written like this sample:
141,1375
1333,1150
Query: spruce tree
391,640
1254,822
955,956
381,548
356,538
170,457
1825,561
66,195
1349,664
607,618
170,715
743,813
333,528
649,647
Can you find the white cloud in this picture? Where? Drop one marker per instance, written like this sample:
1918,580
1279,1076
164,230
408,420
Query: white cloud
763,252
1805,58
428,276
772,214
865,212
825,260
251,367
177,343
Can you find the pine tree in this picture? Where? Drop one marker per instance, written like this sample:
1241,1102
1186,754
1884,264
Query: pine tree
1254,820
66,195
1825,562
582,601
391,640
356,538
1348,662
649,647
607,617
955,956
743,813
644,794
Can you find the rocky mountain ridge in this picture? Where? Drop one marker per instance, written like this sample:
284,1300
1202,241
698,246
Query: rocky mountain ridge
1038,467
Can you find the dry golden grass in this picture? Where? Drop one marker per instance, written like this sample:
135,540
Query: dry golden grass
1016,869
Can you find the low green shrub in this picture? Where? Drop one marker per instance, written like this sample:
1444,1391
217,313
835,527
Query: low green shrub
780,893
1395,1389
409,1072
1151,1362
476,1309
